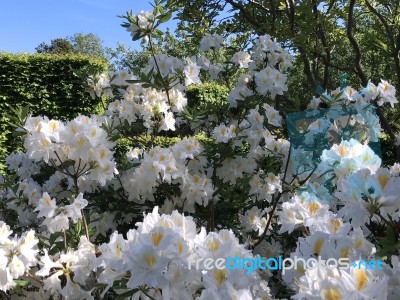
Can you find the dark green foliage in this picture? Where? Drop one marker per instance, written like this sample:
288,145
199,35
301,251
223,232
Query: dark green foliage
52,85
57,46
208,98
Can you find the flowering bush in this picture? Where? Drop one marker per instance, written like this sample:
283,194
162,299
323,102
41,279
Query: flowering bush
91,225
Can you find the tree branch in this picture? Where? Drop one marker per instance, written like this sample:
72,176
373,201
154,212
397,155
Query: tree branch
330,64
321,35
264,8
383,21
307,67
278,197
354,44
244,13
394,41
388,128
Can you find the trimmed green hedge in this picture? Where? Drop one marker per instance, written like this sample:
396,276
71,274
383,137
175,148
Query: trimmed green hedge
50,84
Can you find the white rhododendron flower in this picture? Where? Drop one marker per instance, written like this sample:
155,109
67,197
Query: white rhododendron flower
241,58
209,42
143,21
387,93
349,157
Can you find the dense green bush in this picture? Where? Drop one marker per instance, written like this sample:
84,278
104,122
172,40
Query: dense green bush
51,85
208,98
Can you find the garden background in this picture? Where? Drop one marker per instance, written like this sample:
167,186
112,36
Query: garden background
200,122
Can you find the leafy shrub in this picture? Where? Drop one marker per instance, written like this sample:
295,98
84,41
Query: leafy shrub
50,84
207,99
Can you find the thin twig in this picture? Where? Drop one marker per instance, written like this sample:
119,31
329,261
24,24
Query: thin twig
144,292
244,13
85,225
274,205
165,85
65,242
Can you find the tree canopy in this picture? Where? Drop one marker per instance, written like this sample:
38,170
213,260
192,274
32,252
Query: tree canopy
84,44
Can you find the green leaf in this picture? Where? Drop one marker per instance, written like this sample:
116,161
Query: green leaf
134,81
126,294
165,17
78,227
54,237
381,45
389,244
22,282
100,285
57,247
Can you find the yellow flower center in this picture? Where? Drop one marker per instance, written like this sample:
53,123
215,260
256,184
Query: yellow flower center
149,259
331,293
361,279
342,150
213,245
313,207
156,238
336,224
219,276
344,252
53,125
47,200
358,243
383,180
318,245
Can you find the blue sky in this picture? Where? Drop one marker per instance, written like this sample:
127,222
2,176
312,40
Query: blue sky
24,24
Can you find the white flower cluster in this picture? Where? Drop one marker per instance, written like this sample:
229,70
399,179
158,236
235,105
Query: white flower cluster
363,191
326,281
154,107
253,220
242,59
330,238
362,120
346,284
383,93
366,192
64,275
81,140
266,65
22,165
211,42
162,254
143,21
348,157
56,217
167,65
149,105
99,85
263,186
223,134
308,210
17,255
178,164
363,188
